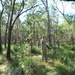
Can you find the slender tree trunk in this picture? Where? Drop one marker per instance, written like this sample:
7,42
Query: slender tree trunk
48,24
37,36
0,31
10,30
0,38
17,34
54,40
34,36
6,35
31,39
6,30
9,43
1,13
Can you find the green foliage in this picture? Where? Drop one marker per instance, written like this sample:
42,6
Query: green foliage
41,70
16,48
65,45
15,71
2,58
14,68
30,67
22,67
24,64
36,50
63,69
67,56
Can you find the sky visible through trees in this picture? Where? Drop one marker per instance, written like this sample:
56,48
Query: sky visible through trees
64,6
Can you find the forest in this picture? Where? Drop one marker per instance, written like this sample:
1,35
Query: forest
37,37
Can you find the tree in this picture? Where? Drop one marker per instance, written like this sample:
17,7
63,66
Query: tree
45,3
1,13
13,19
6,31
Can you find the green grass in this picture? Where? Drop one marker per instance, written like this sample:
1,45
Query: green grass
60,61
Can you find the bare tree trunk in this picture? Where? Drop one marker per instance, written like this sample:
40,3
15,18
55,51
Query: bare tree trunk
48,24
31,43
72,41
6,30
16,35
0,31
9,43
6,34
34,36
45,3
0,38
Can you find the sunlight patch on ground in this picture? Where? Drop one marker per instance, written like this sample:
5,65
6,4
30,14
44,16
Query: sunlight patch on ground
39,57
2,69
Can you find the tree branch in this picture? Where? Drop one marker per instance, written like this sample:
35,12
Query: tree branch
61,12
22,13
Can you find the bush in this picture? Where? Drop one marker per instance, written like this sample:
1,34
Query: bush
41,70
15,71
36,50
2,58
63,69
30,67
14,68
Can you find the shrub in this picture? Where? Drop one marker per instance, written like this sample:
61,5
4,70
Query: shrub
36,50
14,68
15,71
30,66
2,58
63,69
41,70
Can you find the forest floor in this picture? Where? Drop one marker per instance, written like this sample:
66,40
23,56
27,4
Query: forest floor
50,65
3,68
56,61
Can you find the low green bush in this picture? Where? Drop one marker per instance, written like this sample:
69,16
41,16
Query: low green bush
14,68
63,69
41,70
30,67
36,50
15,71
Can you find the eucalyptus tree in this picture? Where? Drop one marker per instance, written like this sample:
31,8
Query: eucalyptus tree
6,31
45,3
54,24
1,13
18,7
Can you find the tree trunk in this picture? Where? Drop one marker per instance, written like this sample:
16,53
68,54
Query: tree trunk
1,13
6,30
34,36
48,24
0,36
9,43
6,35
31,43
